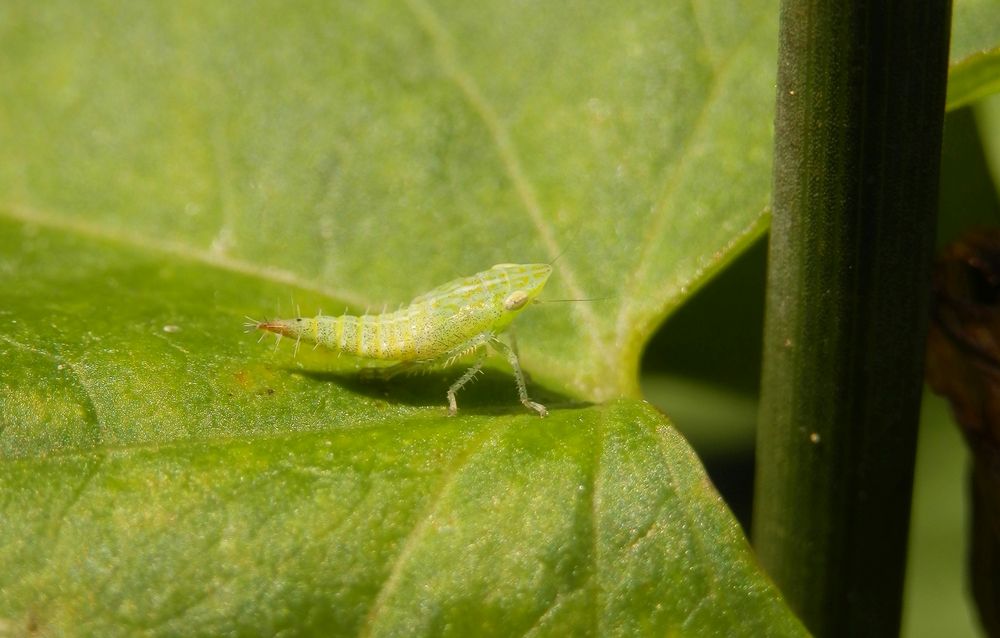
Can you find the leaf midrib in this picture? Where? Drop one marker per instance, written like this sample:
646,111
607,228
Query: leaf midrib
176,249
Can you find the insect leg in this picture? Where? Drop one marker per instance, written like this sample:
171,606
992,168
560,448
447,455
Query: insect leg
388,372
512,337
522,391
465,378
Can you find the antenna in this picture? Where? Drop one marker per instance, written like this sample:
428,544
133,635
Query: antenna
569,245
566,300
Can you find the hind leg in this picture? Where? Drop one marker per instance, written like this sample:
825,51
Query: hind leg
522,391
462,380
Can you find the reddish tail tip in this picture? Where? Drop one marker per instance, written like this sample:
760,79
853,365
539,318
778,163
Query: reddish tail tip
276,327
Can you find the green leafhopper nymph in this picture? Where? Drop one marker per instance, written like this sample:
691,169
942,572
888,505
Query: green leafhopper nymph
464,316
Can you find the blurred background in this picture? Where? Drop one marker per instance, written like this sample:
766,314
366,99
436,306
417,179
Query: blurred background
704,363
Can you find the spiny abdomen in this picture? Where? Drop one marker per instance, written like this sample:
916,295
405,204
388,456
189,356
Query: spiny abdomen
439,322
395,336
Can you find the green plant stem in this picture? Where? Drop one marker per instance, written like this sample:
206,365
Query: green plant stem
861,88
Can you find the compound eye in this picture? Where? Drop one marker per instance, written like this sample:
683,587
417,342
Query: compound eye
515,300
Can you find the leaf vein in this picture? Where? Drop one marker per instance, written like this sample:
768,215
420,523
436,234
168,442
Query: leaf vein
595,502
413,538
75,497
648,529
660,216
241,438
175,249
694,532
557,602
470,91
89,404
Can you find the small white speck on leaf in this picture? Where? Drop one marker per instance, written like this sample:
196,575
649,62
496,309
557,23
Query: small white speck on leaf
171,328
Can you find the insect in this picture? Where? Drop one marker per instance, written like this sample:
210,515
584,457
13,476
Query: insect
464,316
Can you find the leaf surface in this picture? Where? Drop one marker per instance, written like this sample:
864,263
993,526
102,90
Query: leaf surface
171,167
372,152
162,476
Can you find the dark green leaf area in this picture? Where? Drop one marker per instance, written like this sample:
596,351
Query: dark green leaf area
110,345
594,521
162,472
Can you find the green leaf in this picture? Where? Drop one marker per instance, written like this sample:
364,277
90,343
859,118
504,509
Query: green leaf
169,168
974,28
174,472
975,52
593,524
973,78
372,152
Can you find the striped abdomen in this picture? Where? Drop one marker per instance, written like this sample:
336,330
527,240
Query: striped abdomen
441,322
394,336
390,336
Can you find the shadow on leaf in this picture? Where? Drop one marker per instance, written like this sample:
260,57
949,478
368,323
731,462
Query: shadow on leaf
491,393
